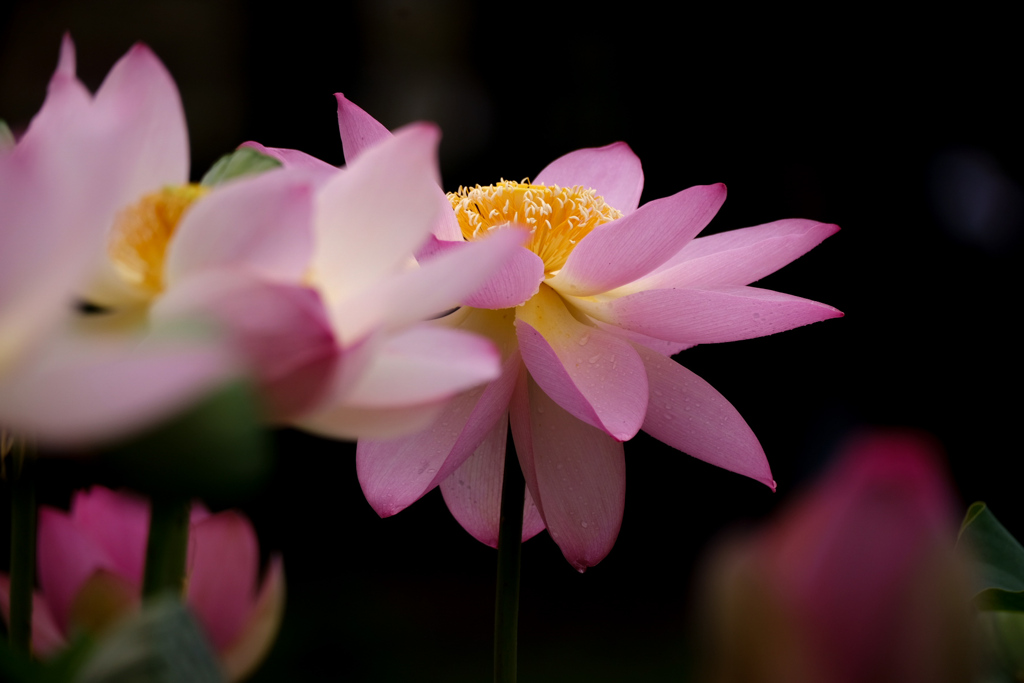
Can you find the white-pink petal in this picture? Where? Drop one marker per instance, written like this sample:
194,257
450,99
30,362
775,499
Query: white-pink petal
688,414
473,492
153,140
594,375
575,473
81,390
262,223
737,257
395,473
438,285
613,171
510,285
404,384
372,217
624,250
711,315
281,330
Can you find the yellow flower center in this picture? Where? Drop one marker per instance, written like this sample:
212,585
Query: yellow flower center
138,241
558,217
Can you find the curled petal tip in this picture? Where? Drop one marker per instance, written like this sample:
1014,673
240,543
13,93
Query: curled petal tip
772,486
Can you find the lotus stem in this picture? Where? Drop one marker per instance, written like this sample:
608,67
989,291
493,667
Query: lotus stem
506,601
167,547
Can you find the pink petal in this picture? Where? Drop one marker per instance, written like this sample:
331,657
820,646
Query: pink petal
263,223
249,649
613,171
665,348
397,472
77,391
280,329
423,364
47,637
118,523
392,191
738,257
473,492
67,557
436,286
594,375
348,422
705,316
621,251
359,130
406,384
153,138
575,473
514,281
688,414
319,171
223,565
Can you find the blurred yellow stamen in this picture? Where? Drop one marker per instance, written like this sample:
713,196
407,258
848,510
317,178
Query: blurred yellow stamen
138,241
558,217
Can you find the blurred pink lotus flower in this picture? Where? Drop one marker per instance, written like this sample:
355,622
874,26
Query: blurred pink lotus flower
305,274
91,563
586,316
60,187
855,581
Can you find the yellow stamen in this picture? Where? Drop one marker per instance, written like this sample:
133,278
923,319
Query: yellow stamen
138,241
558,217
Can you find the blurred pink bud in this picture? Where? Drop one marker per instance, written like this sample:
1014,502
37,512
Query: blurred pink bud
91,564
855,581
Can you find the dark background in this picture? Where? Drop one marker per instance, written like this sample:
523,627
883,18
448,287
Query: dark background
904,130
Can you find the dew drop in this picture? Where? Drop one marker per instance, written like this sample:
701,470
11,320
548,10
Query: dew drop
583,524
595,358
584,339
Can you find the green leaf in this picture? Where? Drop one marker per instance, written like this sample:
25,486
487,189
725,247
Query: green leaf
160,644
243,161
998,559
217,450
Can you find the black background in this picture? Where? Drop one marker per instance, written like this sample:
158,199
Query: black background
903,129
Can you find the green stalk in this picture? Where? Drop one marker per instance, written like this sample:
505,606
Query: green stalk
23,547
506,601
167,547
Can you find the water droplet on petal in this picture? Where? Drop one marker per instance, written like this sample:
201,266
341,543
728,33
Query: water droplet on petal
583,524
595,358
584,339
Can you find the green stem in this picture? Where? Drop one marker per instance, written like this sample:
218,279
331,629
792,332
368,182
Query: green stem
23,547
506,601
167,547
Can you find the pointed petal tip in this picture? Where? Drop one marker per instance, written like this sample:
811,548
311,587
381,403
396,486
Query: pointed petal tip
66,61
773,486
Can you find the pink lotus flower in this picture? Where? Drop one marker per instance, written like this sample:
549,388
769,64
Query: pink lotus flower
59,190
856,581
244,254
90,575
586,316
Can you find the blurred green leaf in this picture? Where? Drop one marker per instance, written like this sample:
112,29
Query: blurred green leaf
61,668
217,450
243,161
160,644
998,559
